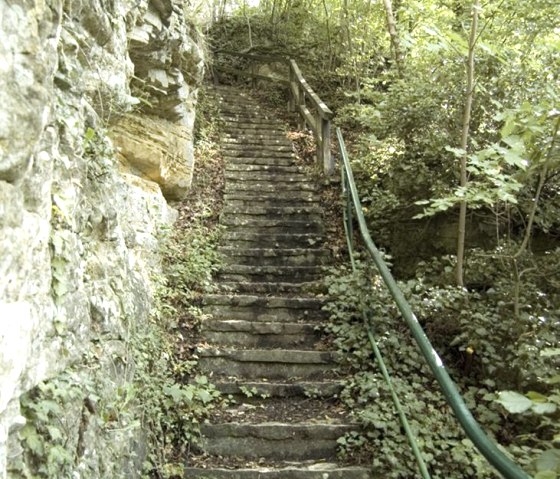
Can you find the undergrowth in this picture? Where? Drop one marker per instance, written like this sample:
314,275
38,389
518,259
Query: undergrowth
484,355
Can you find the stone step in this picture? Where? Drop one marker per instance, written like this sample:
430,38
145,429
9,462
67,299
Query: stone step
320,470
273,261
242,104
264,314
263,301
268,200
247,239
241,168
275,256
311,210
276,441
303,389
250,408
261,335
265,148
257,140
251,240
256,188
262,119
271,226
263,308
249,134
292,274
248,218
277,288
257,153
271,364
267,176
237,100
276,161
254,137
242,128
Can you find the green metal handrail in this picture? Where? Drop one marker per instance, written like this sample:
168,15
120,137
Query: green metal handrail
486,446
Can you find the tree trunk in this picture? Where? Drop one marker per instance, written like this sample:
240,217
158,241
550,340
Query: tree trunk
542,178
394,35
464,145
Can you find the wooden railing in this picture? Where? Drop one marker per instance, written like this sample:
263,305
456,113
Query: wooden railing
314,113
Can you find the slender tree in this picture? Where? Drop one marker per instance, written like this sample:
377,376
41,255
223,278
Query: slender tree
394,35
469,95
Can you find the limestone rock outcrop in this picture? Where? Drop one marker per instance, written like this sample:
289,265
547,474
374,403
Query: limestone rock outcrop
80,213
156,149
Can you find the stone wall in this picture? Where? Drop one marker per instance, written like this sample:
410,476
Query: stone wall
96,114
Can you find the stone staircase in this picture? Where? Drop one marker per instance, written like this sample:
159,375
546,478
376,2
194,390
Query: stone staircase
262,346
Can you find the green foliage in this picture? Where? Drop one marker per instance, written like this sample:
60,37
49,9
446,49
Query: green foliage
445,450
253,392
49,436
190,260
99,154
545,408
171,399
476,343
174,399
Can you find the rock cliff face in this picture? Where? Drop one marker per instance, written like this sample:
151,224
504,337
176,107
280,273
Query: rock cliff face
96,114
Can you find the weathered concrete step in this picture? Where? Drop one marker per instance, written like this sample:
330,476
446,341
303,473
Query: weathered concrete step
239,200
274,440
279,217
248,239
241,168
257,153
303,275
303,389
274,261
252,119
263,224
267,363
263,301
230,104
264,314
253,137
236,160
256,188
267,148
243,128
259,140
251,134
248,273
275,256
316,471
277,240
261,335
263,308
227,100
294,197
254,409
267,176
273,211
271,226
277,288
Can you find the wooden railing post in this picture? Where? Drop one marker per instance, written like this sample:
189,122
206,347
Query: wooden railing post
292,87
328,160
301,104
